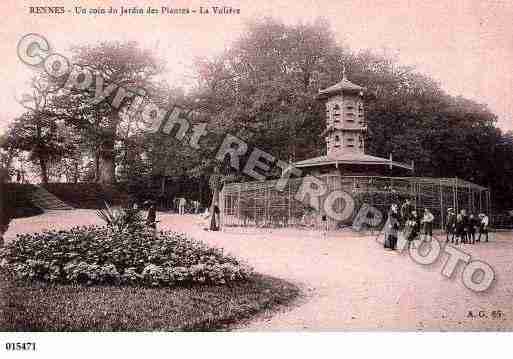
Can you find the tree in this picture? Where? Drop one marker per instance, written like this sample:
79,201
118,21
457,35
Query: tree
37,131
263,90
265,86
123,64
40,137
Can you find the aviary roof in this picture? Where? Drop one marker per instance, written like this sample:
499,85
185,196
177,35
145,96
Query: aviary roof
344,85
349,158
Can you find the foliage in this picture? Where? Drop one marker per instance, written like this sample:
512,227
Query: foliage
44,307
98,255
122,219
263,89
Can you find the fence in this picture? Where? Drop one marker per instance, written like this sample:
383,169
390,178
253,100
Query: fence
261,204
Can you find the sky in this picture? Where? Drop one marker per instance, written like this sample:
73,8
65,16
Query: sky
467,46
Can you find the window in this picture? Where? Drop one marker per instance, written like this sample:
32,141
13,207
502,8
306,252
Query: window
337,138
350,142
336,110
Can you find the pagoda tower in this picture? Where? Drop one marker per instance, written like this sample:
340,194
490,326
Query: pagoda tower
345,133
345,118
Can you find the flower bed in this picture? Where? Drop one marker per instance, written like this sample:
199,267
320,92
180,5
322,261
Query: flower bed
97,255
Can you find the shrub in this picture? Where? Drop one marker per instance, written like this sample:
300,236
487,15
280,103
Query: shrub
98,255
121,219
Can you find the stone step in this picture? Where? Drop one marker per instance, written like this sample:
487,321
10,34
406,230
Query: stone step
47,201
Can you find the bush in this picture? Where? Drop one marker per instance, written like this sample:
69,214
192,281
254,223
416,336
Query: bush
98,255
127,219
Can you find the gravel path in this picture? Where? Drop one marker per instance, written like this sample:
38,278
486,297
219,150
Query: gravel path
350,282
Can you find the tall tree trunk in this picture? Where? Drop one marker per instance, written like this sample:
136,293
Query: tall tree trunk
4,215
107,165
44,170
76,174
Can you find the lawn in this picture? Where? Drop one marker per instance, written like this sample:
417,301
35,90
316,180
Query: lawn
42,307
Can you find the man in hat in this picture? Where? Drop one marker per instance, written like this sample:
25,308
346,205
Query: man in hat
450,226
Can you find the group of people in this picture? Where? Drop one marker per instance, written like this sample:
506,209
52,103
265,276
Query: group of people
462,228
408,220
183,206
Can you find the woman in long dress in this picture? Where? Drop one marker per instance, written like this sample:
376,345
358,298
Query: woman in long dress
392,227
413,228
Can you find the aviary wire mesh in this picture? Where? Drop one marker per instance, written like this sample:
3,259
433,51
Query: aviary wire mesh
261,204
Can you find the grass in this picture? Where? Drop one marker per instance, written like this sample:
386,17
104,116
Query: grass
41,307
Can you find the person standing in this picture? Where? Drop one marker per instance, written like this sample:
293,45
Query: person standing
472,224
483,226
406,211
151,219
427,221
182,202
460,228
391,228
450,226
413,228
465,225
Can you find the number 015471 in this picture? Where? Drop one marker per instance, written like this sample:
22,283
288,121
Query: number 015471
26,346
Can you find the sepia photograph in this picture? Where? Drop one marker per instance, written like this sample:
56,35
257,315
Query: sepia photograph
255,168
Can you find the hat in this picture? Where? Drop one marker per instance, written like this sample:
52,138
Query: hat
450,209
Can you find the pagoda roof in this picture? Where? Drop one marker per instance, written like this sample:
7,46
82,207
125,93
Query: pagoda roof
344,85
349,158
